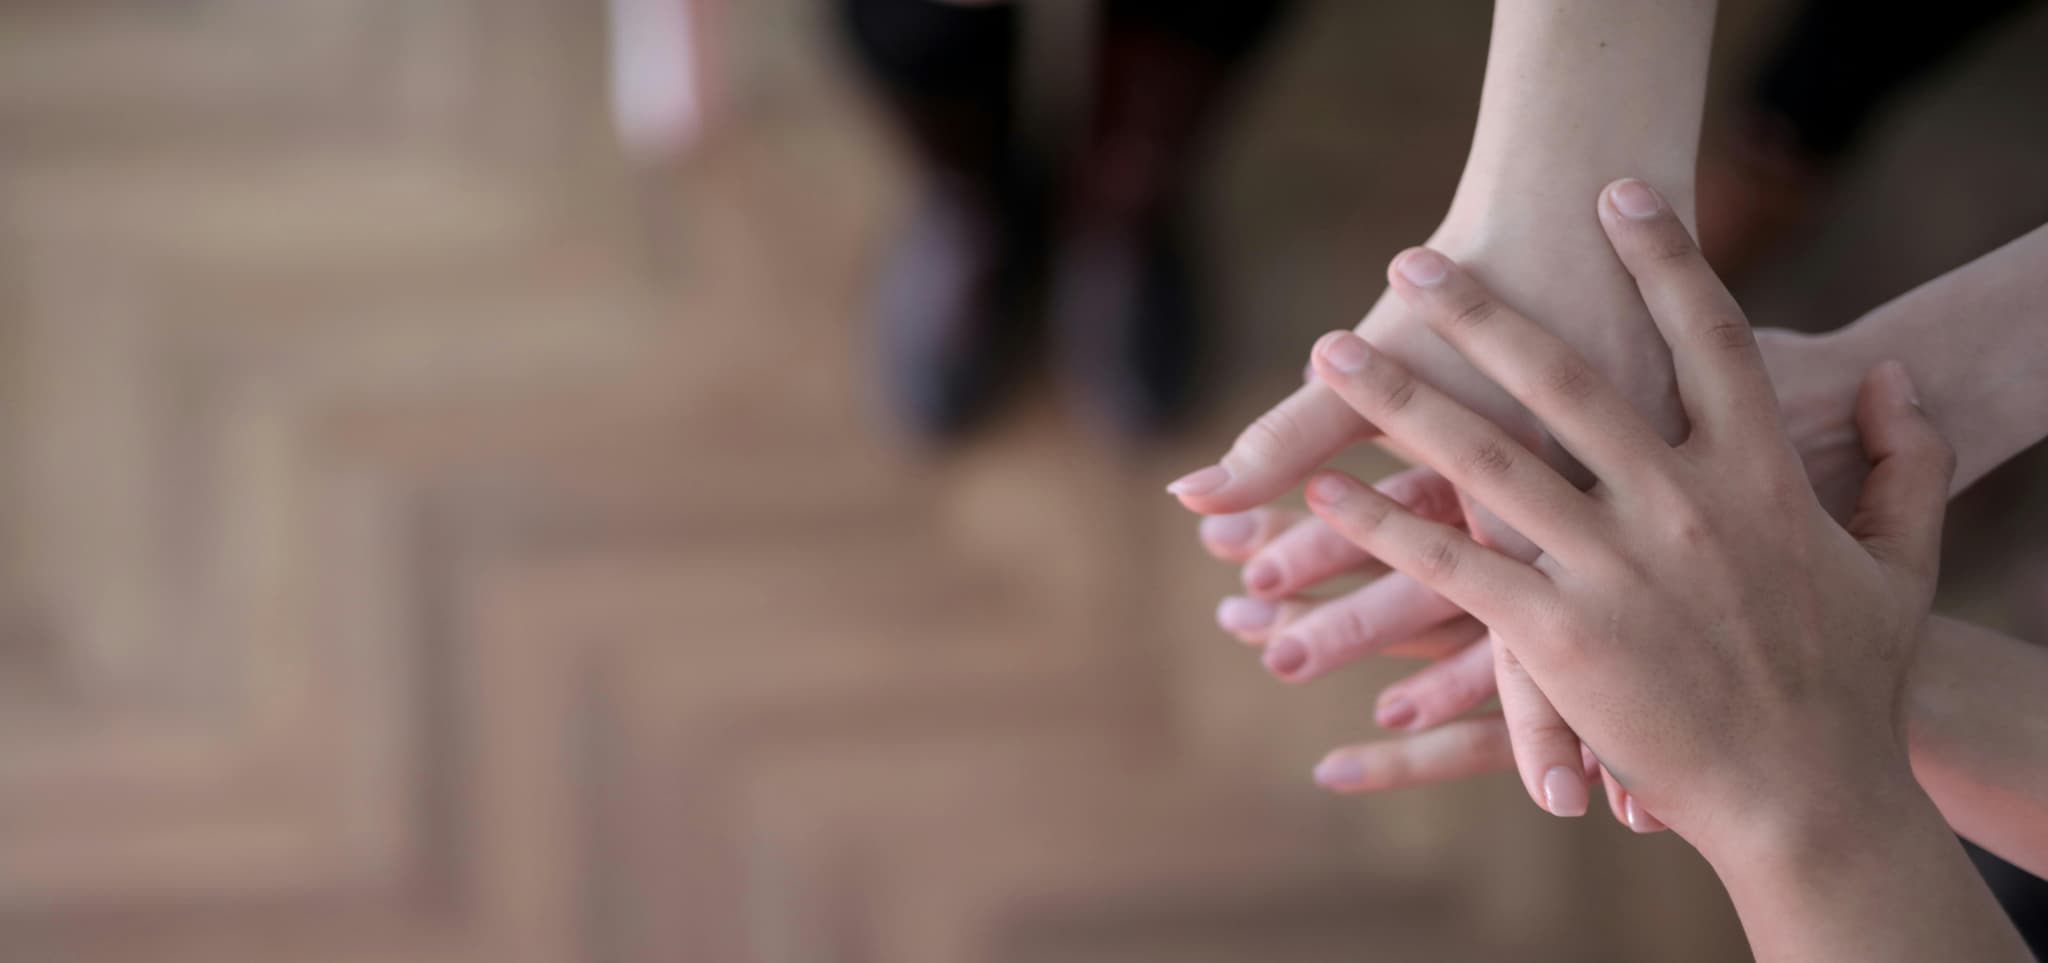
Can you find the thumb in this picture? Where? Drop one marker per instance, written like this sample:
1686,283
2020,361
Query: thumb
1898,517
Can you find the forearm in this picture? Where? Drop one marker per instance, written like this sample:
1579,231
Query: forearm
1976,342
1579,93
1978,731
1880,879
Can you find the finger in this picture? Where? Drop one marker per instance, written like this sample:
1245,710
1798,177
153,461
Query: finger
1616,796
1472,452
1275,453
1721,376
1490,586
1308,553
1352,626
1579,406
1254,621
1239,536
1636,817
1898,517
1440,642
1444,690
1546,750
1468,747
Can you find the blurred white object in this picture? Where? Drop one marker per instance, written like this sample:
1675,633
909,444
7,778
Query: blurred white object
664,75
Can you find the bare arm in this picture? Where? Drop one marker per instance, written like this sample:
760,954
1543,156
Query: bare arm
1978,729
1577,93
1975,339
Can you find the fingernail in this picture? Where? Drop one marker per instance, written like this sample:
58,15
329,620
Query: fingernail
1635,199
1338,772
1638,820
1286,657
1200,482
1239,614
1229,529
1901,382
1329,489
1423,267
1397,714
1564,792
1262,577
1346,352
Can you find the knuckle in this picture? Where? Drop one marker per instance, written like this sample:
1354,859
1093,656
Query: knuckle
1438,559
1685,524
1395,389
1270,437
1729,334
1355,633
1569,379
1478,743
1458,691
1365,515
1473,310
1327,551
1489,458
1668,243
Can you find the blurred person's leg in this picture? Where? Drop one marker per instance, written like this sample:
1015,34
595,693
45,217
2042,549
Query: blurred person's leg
1818,91
944,72
1124,308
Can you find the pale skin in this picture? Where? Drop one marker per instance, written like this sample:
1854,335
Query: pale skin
1577,92
1974,344
1727,649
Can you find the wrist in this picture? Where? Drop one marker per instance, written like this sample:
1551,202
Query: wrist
1824,836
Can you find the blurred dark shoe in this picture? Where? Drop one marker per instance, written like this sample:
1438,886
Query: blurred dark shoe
949,309
1125,322
1756,187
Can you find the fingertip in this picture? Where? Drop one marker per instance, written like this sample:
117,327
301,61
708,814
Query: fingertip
1341,353
1339,771
1418,267
1328,489
1230,536
1564,792
1631,199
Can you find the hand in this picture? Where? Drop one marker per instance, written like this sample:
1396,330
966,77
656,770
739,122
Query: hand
1286,554
1573,276
1723,646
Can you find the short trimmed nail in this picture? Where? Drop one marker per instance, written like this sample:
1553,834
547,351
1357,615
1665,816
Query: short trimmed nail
1423,268
1638,819
1337,772
1286,657
1229,529
1564,792
1346,352
1263,576
1633,198
1238,614
1397,714
1329,489
1200,482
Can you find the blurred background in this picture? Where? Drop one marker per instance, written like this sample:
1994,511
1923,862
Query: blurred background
452,510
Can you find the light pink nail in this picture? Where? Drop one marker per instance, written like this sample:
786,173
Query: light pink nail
1239,614
1338,772
1564,792
1200,482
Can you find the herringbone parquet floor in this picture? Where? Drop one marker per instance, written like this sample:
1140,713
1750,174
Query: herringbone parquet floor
431,539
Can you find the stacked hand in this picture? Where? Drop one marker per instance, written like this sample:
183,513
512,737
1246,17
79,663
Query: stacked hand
1286,553
1571,275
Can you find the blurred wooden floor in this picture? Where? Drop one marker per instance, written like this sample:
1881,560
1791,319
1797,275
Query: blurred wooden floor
430,540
